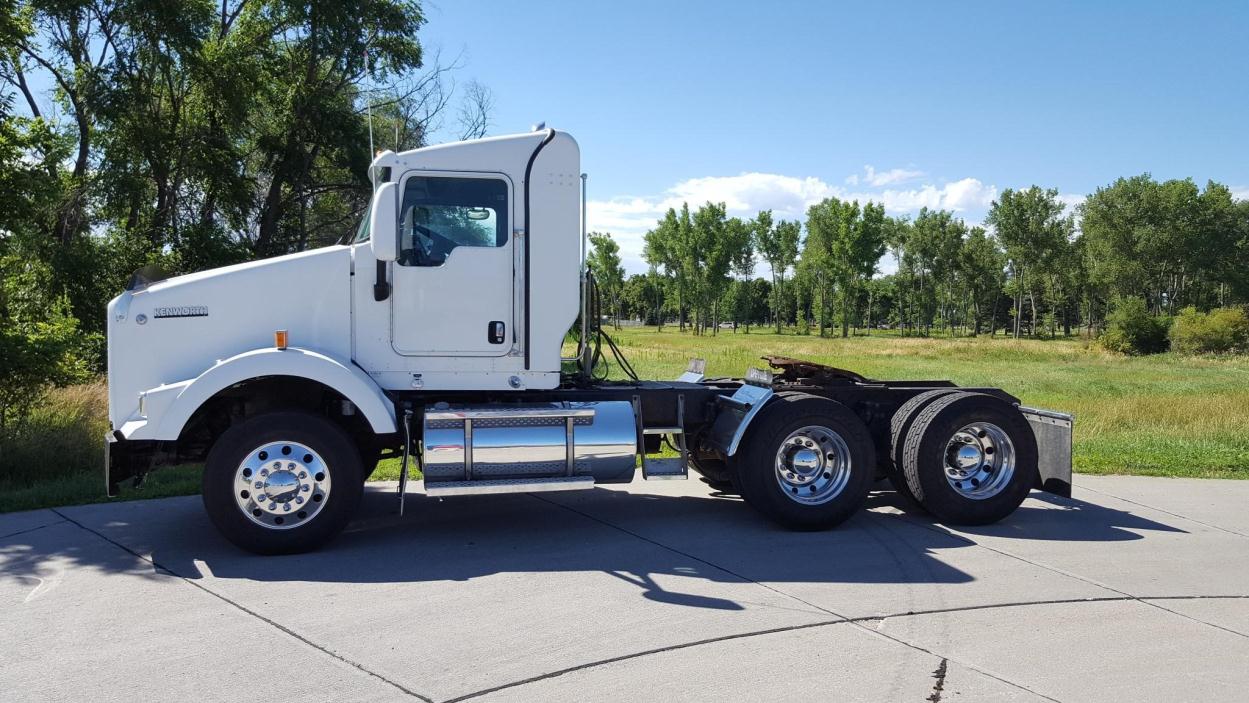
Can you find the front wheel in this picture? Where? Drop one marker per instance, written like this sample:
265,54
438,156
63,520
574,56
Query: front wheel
808,462
282,482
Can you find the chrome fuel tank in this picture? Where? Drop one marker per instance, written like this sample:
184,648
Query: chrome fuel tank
492,442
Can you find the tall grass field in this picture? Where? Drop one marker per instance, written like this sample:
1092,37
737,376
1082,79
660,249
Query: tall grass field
1163,415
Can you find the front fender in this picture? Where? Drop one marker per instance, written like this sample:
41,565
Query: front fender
344,377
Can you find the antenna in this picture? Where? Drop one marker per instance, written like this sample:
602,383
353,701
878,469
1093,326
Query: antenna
368,106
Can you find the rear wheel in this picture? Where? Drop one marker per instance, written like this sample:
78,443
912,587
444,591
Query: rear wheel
899,427
807,462
282,482
970,458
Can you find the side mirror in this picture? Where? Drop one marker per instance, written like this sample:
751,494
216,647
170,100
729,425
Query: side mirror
384,223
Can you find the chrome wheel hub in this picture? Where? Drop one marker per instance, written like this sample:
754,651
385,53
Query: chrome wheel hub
282,485
979,461
812,465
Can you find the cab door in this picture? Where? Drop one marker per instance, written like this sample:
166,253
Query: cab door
454,292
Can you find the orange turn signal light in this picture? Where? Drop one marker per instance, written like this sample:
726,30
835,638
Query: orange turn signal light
279,339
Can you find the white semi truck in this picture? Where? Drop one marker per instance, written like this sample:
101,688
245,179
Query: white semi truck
435,333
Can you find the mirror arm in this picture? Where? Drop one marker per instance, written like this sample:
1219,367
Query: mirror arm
381,288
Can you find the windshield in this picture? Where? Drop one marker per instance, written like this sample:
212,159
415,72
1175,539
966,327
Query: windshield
362,230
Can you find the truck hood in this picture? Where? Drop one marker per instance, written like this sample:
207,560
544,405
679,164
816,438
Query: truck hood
173,330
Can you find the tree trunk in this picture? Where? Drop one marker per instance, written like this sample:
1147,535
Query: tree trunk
845,311
869,312
776,293
1018,303
1032,302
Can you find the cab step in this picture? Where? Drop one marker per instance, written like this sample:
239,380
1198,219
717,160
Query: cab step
441,489
663,470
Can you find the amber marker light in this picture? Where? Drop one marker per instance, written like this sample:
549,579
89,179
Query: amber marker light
279,339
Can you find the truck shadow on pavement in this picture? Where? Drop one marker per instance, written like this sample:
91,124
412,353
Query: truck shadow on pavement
653,542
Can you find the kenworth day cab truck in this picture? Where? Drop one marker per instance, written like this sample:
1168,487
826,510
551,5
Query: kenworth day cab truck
436,334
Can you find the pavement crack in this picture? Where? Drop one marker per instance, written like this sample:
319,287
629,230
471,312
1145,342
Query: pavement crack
869,623
242,608
939,685
644,653
944,662
32,529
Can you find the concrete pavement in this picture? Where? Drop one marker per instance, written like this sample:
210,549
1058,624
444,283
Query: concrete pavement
1136,589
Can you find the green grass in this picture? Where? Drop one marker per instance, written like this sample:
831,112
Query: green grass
80,488
1165,415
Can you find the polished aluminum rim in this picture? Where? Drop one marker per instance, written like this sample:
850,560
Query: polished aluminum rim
282,485
979,460
813,465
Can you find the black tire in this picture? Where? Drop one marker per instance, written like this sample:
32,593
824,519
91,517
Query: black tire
899,426
369,462
756,463
337,456
924,457
715,472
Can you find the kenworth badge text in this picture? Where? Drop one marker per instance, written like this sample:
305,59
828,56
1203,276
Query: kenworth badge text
435,333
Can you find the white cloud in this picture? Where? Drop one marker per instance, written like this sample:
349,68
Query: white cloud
1240,192
628,218
1072,201
878,179
959,196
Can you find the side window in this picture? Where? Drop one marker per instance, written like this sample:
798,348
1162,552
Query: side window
439,214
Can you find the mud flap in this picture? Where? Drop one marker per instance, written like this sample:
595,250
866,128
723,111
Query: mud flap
125,459
1053,440
110,483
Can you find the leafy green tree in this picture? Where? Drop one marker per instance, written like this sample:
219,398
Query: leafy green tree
935,244
815,264
859,244
981,265
778,244
604,260
644,297
1170,242
667,247
708,261
1035,233
740,243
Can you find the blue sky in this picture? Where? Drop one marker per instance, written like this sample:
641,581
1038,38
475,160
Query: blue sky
777,104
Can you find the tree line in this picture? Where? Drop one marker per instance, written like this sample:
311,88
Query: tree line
1033,267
